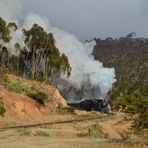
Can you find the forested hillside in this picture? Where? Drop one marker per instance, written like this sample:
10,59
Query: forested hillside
34,56
129,56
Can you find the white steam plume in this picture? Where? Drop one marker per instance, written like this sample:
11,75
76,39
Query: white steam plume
86,72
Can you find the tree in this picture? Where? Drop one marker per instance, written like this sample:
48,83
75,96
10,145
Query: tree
4,56
4,31
5,36
18,49
131,35
12,26
35,39
42,47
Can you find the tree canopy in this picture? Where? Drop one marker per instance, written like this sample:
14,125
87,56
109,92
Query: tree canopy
4,31
39,59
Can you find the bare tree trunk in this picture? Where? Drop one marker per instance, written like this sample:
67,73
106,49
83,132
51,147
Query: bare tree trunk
46,68
33,63
18,64
8,59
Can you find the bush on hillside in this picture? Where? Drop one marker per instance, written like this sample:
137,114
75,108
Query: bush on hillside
20,87
2,108
66,110
133,99
15,85
39,96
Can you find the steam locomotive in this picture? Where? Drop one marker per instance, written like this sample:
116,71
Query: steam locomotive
100,105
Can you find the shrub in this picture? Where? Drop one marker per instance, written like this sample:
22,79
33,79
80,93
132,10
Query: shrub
41,133
24,132
39,96
134,100
20,87
95,131
17,86
2,108
66,110
3,72
141,107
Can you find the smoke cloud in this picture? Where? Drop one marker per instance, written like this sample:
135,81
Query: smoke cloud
87,73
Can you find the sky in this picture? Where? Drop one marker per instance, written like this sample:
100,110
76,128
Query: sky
93,18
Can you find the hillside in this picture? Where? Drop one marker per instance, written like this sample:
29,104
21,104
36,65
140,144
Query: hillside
31,121
32,108
129,56
23,107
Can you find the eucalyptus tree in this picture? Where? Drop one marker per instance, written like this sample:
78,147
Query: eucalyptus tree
17,51
12,59
35,39
56,63
4,38
4,56
4,31
12,26
42,47
39,58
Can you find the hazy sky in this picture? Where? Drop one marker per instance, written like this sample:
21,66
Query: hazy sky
93,18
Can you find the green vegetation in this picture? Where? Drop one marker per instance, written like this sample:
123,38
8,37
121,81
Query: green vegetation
39,96
16,85
129,56
27,132
3,72
95,131
20,87
24,132
66,110
41,133
38,59
42,44
2,108
4,31
133,100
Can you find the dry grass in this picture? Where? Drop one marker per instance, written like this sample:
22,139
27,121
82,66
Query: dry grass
65,135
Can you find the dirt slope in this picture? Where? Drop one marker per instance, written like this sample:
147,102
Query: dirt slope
22,109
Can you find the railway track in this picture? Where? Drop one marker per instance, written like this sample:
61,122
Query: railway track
49,123
122,140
